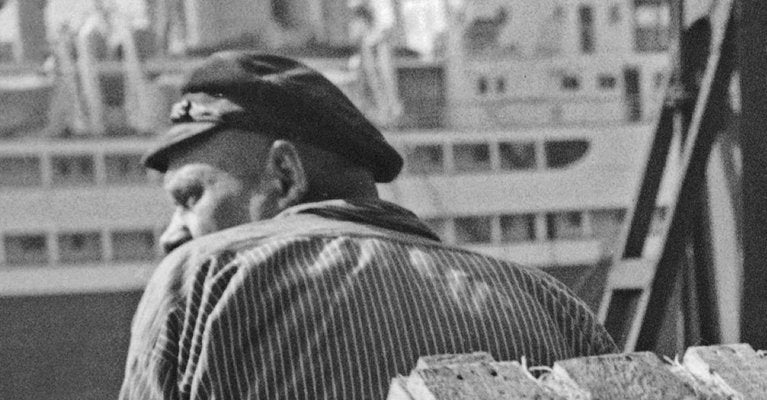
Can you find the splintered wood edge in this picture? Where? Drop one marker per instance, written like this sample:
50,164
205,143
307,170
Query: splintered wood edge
559,381
734,368
705,389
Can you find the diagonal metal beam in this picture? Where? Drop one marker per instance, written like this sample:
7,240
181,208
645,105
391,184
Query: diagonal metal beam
641,216
706,122
640,289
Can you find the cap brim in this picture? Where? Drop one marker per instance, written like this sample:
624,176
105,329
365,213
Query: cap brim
157,158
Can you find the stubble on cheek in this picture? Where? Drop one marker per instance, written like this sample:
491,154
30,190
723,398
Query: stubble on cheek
229,212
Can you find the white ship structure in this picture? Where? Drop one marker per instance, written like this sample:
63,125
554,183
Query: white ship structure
524,125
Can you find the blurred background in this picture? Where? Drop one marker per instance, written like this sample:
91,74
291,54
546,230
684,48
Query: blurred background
599,140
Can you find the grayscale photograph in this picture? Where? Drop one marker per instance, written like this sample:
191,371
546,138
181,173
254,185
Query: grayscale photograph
383,199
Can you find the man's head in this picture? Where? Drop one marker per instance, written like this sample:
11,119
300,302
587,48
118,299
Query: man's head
256,134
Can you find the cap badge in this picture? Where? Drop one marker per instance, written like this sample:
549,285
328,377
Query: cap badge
189,111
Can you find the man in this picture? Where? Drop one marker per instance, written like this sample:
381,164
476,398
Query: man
290,279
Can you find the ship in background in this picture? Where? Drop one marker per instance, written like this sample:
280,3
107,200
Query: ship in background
524,127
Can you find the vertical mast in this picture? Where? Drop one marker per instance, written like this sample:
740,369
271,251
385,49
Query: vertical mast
753,76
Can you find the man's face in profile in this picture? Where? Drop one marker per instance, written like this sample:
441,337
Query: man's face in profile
214,186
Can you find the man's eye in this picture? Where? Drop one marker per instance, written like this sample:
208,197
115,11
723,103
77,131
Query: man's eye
187,199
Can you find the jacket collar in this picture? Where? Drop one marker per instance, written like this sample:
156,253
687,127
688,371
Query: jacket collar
374,212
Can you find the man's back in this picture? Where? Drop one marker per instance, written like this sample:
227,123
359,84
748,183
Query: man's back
332,301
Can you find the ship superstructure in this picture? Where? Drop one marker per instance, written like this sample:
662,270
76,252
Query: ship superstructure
547,114
523,126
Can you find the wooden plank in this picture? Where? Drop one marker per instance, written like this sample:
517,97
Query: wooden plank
640,376
723,372
736,368
487,381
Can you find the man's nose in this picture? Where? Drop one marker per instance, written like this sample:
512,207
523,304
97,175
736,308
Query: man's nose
175,235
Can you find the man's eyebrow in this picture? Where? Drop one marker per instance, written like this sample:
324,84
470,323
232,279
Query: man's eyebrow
181,180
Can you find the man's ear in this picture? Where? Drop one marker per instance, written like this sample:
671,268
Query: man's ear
287,171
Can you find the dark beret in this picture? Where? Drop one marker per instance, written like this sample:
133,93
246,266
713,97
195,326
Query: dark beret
273,95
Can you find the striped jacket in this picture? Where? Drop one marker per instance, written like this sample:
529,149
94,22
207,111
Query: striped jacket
330,301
